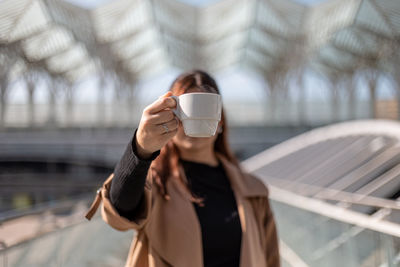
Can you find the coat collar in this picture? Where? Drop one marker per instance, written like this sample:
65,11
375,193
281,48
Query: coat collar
243,183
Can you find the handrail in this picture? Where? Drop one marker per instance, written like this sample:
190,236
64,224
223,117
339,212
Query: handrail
334,212
333,194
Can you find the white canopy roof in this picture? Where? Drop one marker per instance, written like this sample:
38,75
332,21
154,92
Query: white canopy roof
139,38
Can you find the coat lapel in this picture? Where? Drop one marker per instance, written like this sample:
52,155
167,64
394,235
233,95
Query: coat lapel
176,220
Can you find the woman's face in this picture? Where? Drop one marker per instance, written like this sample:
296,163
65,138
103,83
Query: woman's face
193,144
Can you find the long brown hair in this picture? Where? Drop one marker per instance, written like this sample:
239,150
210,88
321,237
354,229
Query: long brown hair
165,166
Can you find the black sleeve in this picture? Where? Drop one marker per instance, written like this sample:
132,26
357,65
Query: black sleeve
129,178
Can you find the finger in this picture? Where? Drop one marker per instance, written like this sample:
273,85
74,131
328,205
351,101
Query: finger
171,133
172,125
160,104
161,117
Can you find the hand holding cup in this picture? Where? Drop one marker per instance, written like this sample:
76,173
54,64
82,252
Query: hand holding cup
157,126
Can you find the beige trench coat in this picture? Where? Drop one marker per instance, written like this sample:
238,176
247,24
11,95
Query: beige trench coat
169,233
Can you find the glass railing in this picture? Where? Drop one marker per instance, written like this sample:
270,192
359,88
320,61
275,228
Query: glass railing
321,241
325,235
91,243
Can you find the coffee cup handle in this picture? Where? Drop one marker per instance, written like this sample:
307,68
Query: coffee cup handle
176,110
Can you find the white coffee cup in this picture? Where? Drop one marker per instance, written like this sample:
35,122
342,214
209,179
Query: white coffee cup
199,113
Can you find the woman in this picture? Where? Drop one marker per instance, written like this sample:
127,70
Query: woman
186,197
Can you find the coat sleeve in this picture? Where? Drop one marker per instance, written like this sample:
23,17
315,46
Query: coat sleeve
111,216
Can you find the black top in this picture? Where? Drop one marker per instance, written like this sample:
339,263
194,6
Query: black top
219,220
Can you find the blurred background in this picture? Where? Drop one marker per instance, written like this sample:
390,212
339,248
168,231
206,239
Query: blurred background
311,89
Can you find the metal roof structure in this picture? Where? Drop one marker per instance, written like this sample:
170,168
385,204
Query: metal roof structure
124,42
138,38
